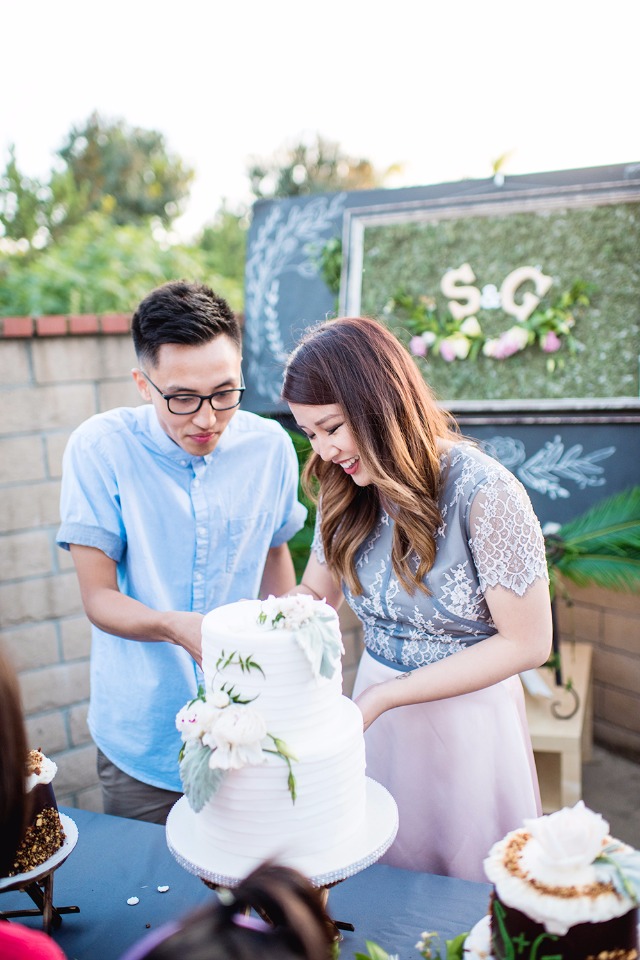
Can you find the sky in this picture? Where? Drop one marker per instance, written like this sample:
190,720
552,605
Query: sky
442,90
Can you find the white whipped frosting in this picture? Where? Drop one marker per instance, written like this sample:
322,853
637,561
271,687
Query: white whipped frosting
48,770
559,852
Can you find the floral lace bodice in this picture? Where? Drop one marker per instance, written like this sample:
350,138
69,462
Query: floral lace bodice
489,536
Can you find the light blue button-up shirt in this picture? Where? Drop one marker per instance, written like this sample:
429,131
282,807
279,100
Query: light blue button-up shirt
187,533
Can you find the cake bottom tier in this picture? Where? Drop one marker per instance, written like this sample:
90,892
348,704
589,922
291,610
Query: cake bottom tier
253,811
513,934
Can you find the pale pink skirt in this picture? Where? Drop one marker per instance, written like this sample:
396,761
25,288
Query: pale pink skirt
461,771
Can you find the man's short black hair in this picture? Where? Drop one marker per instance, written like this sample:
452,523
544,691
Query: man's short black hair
181,312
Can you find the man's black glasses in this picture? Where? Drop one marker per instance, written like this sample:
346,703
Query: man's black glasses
184,404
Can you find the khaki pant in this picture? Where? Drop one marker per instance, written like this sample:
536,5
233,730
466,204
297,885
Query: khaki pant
124,796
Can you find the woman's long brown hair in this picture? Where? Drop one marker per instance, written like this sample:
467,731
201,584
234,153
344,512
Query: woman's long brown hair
396,423
13,756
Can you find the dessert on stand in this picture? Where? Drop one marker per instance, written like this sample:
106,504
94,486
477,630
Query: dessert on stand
273,763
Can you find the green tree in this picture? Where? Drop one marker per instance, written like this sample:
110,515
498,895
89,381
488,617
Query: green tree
125,171
314,167
23,203
224,243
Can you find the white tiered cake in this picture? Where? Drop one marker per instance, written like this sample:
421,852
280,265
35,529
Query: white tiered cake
273,763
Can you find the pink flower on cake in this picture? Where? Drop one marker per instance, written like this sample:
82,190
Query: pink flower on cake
235,738
570,838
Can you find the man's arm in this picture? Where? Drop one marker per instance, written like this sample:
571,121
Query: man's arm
114,612
279,575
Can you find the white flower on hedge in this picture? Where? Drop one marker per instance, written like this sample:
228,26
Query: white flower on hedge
455,347
194,719
470,327
570,838
235,738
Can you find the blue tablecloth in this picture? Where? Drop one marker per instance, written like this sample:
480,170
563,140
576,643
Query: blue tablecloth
116,859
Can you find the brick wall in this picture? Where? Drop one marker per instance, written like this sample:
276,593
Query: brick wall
54,373
610,621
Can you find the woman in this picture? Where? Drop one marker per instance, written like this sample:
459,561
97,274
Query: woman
17,942
437,550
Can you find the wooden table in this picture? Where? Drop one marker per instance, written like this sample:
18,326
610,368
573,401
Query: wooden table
561,746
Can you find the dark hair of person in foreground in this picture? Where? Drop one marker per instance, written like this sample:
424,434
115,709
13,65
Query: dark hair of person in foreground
292,923
13,751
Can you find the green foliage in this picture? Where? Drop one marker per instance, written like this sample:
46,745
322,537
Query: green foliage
314,167
125,171
99,267
300,544
602,546
224,244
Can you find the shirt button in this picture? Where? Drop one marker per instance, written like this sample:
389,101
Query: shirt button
183,463
202,531
197,577
196,482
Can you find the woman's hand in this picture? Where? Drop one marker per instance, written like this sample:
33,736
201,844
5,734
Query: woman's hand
374,701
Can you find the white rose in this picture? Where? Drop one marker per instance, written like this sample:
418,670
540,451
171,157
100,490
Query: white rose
219,699
194,719
236,737
429,337
570,838
471,327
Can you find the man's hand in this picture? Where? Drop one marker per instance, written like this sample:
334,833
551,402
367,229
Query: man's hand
186,632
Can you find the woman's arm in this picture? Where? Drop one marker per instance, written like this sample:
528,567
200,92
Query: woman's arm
115,613
278,575
318,582
523,641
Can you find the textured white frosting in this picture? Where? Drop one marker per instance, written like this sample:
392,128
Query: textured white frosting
560,896
252,813
48,770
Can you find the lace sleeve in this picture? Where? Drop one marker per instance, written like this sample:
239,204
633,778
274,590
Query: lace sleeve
506,539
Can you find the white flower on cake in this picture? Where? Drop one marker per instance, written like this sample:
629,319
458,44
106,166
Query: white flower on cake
287,613
194,719
222,732
570,838
235,738
321,641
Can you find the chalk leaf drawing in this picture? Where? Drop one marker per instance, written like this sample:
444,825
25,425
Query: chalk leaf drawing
552,465
284,243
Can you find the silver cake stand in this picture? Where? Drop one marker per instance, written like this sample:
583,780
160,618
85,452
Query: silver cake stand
219,868
38,883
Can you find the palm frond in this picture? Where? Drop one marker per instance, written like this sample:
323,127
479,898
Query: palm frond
602,546
609,572
614,521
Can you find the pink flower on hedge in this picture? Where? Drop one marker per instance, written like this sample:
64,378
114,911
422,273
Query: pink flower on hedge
551,342
418,347
511,341
455,347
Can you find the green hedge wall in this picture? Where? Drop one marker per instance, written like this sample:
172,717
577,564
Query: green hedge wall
599,245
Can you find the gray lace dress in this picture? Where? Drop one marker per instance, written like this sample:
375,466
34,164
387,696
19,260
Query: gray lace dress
461,769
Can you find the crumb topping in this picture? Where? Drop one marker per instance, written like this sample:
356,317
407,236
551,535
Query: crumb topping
34,762
41,840
512,862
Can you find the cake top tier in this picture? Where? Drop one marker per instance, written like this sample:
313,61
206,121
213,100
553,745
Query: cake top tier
311,624
564,868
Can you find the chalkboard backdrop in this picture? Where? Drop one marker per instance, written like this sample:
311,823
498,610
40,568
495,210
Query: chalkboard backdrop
566,423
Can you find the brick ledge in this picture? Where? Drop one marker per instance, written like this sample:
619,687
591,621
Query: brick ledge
64,326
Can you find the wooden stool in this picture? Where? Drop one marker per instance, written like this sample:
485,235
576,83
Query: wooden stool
561,746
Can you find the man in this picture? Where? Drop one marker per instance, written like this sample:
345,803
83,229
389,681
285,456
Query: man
170,509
